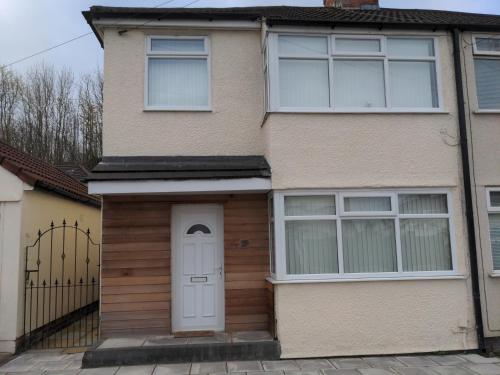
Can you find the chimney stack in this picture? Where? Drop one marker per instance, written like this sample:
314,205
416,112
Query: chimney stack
351,4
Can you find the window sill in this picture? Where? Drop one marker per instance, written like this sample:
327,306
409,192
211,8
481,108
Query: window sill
363,112
351,280
487,111
495,275
152,109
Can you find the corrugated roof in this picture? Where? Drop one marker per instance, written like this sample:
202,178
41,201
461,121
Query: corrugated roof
179,167
387,17
41,174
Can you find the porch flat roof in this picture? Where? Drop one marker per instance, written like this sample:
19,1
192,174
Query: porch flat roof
116,168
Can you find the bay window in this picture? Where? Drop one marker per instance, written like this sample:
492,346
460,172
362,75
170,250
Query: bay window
328,73
494,219
334,235
177,73
487,70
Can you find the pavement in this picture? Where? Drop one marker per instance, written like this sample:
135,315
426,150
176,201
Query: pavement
58,362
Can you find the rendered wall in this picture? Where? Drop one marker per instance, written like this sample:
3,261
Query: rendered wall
483,134
231,128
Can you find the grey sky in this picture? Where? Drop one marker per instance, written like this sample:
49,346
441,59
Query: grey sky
28,26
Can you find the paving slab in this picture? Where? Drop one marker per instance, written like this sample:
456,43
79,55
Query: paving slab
414,371
383,362
416,361
277,372
244,366
124,342
303,372
376,371
174,369
314,364
99,371
484,369
208,367
135,370
341,372
452,370
284,364
447,360
479,359
349,363
61,372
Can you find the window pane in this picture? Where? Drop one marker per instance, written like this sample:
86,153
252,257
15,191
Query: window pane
413,84
178,45
488,83
369,246
495,198
358,83
410,47
311,247
495,239
423,204
178,82
310,205
488,44
364,204
304,83
425,245
302,45
357,45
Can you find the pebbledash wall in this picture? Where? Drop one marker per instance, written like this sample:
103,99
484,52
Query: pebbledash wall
334,151
484,133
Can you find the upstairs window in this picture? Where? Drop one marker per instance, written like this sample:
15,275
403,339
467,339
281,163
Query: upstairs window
326,73
494,218
177,73
487,68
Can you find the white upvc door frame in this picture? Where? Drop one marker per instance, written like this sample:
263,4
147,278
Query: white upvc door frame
176,266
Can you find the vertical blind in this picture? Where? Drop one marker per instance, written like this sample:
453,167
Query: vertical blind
177,82
369,245
488,82
423,204
495,239
358,83
413,84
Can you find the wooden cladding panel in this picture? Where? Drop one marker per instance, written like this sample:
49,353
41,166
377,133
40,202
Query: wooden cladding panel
136,284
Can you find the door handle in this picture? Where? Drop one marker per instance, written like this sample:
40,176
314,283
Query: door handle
219,270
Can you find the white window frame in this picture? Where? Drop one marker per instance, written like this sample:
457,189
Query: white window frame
493,55
205,55
491,210
484,53
273,71
280,242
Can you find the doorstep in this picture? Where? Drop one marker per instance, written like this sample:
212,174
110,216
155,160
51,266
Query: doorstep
141,350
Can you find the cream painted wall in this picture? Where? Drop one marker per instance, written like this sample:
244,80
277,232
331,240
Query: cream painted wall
368,318
233,126
484,134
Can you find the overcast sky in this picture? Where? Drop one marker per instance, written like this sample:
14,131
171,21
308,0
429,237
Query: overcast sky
28,26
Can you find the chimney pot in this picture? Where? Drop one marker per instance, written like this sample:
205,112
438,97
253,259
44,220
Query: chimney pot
352,4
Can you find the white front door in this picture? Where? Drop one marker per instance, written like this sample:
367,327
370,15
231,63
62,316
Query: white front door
197,268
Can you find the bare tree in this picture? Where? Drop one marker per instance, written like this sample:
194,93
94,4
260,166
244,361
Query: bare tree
51,116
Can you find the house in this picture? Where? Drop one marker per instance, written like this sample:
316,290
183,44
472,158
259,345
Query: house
33,195
297,170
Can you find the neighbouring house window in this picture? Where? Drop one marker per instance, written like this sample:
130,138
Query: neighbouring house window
353,73
353,234
494,218
487,68
177,73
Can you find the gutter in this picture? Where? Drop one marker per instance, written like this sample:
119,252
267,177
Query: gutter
469,208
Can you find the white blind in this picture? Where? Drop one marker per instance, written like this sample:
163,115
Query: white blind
488,44
357,45
177,82
366,204
425,245
310,205
304,83
358,83
423,204
302,45
311,247
369,245
178,45
413,84
495,239
409,47
495,198
488,83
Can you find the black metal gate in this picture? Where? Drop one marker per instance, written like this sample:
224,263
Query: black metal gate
61,296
